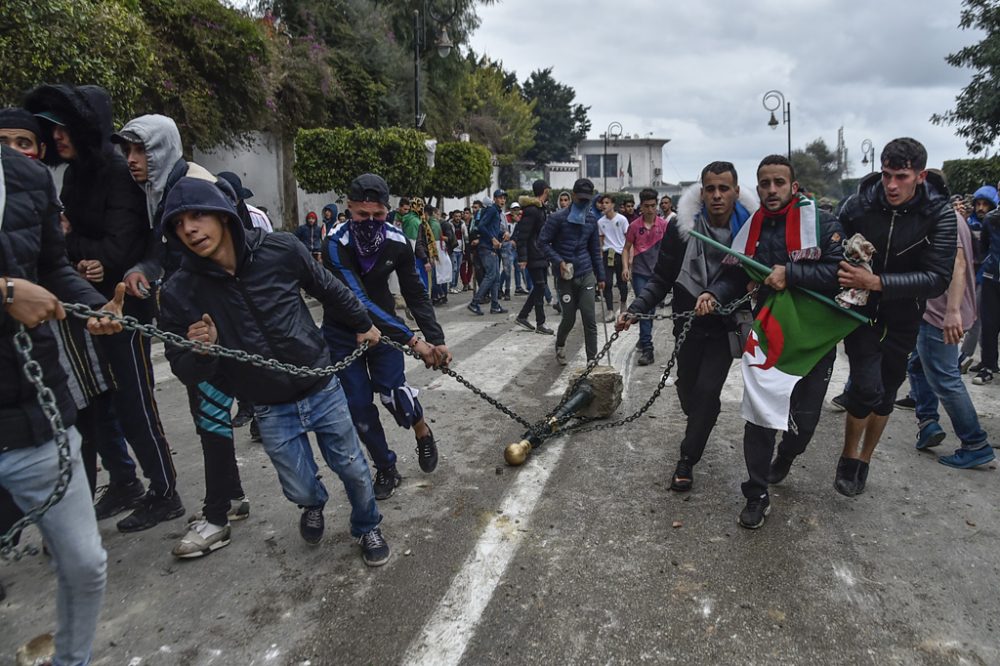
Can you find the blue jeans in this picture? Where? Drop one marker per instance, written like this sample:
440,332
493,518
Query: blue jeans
456,267
935,375
70,532
491,280
507,259
645,325
284,428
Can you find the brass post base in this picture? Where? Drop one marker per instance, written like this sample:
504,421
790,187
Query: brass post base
515,454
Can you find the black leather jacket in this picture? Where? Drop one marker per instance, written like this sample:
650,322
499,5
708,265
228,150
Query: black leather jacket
527,230
915,244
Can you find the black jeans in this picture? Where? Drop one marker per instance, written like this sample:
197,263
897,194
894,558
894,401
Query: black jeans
536,298
210,409
612,275
703,364
805,407
135,405
101,436
989,314
878,355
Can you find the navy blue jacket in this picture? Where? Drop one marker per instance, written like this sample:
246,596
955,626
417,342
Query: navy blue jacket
578,244
489,227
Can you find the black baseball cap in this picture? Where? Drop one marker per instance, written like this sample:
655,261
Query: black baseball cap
369,187
499,193
583,188
242,193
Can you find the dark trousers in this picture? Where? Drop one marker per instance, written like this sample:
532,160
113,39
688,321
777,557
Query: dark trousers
211,411
135,404
878,355
102,436
805,407
536,298
989,314
703,364
614,275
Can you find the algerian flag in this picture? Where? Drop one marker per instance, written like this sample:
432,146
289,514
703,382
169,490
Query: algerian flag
790,335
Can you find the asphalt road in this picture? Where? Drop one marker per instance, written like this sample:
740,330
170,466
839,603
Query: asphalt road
581,556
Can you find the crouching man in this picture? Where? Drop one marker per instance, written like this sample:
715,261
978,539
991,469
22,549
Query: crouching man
240,288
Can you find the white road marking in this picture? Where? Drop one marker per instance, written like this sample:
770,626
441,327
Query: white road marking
446,635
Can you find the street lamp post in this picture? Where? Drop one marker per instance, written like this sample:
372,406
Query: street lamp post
774,100
443,44
868,148
613,133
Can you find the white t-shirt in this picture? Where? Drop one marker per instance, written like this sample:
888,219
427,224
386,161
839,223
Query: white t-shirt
613,230
259,219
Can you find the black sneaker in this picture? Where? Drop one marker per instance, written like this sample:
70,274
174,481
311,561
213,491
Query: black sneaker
118,498
976,368
385,482
906,403
780,467
557,307
544,330
312,524
845,482
473,307
753,514
646,357
374,549
153,510
524,323
498,310
427,452
984,376
683,477
862,477
839,402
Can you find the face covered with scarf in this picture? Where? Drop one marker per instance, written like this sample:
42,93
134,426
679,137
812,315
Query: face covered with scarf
367,227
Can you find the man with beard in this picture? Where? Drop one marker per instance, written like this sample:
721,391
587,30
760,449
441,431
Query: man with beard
802,244
716,209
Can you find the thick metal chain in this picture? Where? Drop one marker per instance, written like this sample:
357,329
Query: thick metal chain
132,324
50,408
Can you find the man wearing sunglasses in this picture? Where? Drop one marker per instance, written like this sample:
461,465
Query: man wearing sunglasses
363,254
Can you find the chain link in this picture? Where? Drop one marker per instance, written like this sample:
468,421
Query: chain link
543,429
50,408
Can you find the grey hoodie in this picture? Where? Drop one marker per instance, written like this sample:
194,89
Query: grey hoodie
163,148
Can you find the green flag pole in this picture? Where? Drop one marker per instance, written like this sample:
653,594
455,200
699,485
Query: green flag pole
756,265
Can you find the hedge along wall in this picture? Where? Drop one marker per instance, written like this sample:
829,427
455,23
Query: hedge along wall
460,169
329,159
967,176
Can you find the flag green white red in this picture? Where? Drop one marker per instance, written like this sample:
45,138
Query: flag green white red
790,335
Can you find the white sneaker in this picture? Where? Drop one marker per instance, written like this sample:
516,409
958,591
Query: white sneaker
610,318
202,538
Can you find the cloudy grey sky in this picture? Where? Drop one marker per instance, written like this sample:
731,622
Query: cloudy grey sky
695,71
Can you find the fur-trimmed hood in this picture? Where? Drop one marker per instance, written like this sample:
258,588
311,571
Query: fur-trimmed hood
526,200
690,206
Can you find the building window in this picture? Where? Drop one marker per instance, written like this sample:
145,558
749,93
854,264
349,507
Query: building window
593,166
611,165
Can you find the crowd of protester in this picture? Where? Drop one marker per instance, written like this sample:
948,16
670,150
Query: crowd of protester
137,229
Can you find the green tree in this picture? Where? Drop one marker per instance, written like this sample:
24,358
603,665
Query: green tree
75,41
495,112
561,124
460,169
976,115
817,169
211,70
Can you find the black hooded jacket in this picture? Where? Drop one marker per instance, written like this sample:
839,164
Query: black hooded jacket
257,309
526,232
31,247
105,207
915,245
